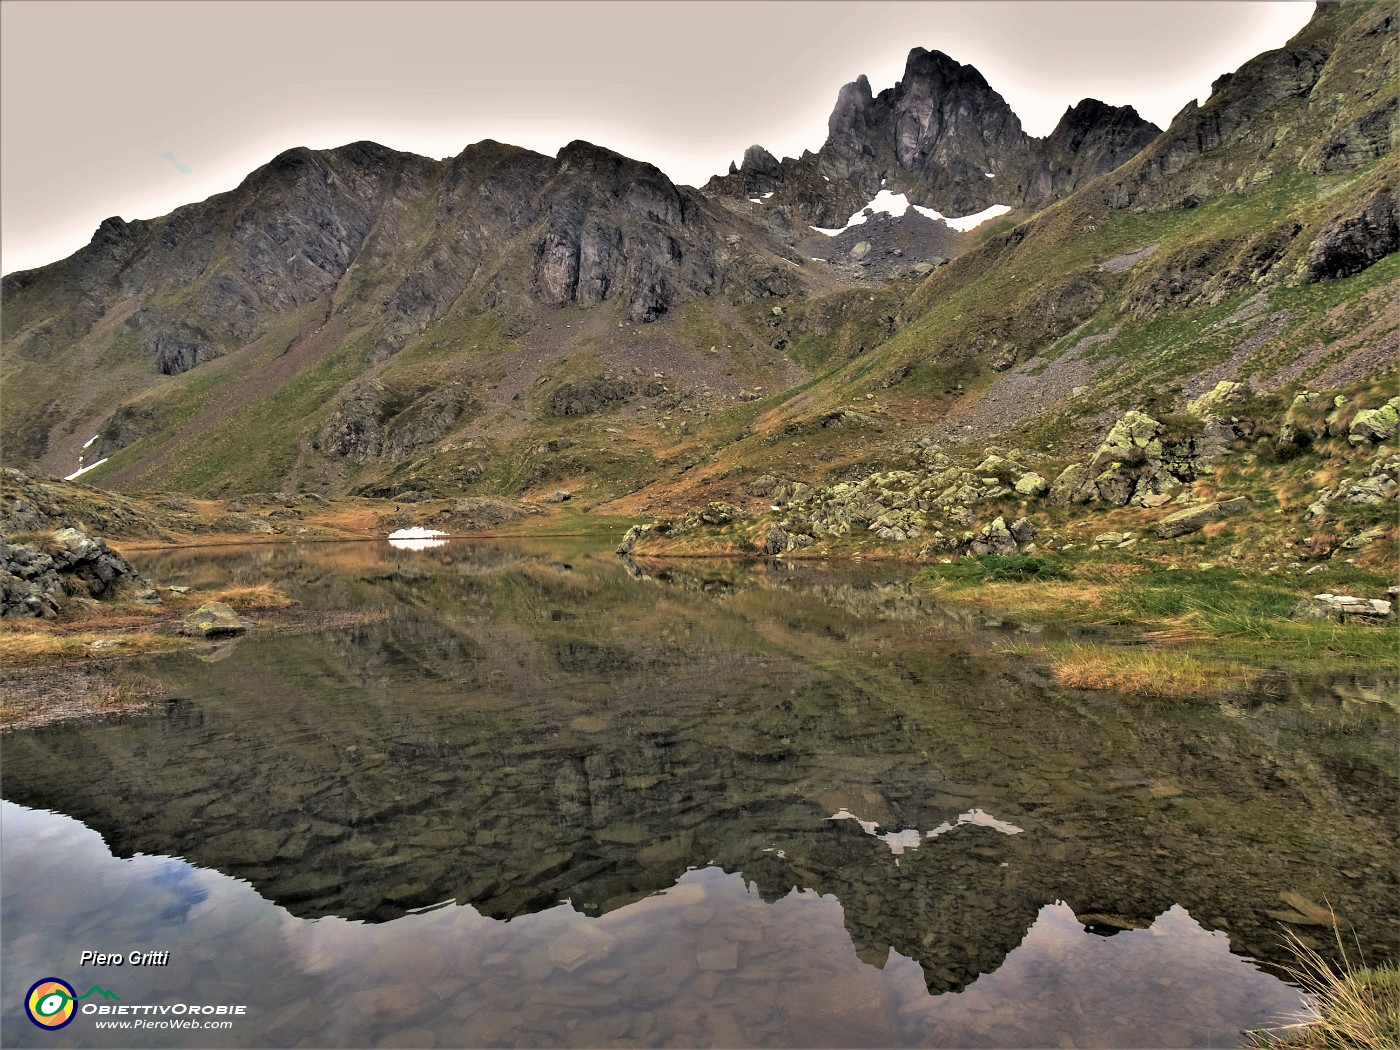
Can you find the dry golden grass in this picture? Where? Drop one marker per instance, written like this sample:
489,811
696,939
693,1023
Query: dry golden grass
1145,671
1354,1007
256,596
33,646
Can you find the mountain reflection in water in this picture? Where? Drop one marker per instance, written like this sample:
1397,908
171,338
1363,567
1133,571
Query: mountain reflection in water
512,726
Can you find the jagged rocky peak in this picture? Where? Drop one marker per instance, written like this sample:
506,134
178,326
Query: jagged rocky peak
948,139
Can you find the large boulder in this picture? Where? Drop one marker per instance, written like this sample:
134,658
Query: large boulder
1193,519
215,620
1375,425
1343,608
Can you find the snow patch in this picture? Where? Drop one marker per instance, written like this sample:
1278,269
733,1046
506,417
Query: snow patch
415,533
416,538
896,204
990,174
90,440
968,222
83,470
754,200
770,193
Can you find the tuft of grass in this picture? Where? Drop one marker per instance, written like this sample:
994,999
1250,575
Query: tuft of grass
1354,1007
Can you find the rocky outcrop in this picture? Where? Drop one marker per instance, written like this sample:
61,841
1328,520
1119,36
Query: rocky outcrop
587,396
373,422
1375,425
38,577
1352,242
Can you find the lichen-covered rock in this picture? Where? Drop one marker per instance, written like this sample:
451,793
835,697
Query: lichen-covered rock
1193,519
1032,484
1375,425
1216,400
1300,426
1133,439
995,538
590,395
1074,484
215,620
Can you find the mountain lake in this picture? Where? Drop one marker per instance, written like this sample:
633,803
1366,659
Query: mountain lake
510,793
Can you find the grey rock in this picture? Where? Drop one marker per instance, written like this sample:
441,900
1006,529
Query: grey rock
1193,519
1343,608
629,541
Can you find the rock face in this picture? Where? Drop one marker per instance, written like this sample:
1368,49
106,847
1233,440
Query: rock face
37,579
1351,243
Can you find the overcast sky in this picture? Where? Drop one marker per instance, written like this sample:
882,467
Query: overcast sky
131,109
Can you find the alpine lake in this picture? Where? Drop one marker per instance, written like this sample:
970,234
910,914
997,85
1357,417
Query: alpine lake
511,793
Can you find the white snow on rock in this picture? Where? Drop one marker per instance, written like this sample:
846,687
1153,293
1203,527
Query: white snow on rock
90,440
83,470
990,174
768,194
754,200
896,204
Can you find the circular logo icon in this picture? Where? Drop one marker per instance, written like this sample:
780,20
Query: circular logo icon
49,1003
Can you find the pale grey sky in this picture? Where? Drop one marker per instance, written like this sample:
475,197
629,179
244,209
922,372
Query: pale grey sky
133,108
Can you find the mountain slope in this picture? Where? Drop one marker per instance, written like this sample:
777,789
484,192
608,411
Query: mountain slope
503,322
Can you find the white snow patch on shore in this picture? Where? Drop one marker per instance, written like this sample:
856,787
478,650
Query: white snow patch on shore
415,533
416,538
83,470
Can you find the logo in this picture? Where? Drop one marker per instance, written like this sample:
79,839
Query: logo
52,1003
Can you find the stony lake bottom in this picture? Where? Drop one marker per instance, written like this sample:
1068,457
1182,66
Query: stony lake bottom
528,794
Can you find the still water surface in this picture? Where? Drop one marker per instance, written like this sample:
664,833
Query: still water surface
523,795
